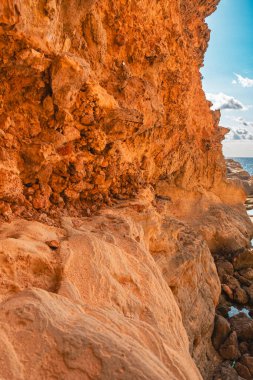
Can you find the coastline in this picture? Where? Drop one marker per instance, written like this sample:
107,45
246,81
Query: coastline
233,329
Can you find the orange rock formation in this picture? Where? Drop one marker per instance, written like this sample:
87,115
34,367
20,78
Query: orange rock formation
110,152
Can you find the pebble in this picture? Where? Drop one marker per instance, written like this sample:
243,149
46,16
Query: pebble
53,244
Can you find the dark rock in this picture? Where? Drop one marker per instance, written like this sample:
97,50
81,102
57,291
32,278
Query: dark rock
225,372
223,310
244,260
251,348
224,268
247,273
243,371
244,347
221,331
249,291
240,296
247,360
242,280
243,326
251,313
229,349
231,281
223,300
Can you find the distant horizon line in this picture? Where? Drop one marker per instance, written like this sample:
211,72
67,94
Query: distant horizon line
238,156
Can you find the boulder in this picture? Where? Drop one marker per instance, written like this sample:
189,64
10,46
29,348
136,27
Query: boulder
240,296
231,281
249,291
247,361
244,347
243,371
244,260
243,281
224,268
221,331
229,349
247,273
243,326
225,372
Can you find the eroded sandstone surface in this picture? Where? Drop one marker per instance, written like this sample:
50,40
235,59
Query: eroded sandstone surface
113,191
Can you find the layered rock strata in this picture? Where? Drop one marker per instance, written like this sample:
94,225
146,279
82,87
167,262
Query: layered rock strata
113,191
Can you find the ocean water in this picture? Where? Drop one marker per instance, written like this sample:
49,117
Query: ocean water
247,163
235,310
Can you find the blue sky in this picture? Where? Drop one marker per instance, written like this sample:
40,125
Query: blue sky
230,52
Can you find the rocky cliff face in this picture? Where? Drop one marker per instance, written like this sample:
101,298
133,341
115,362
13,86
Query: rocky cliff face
102,98
113,191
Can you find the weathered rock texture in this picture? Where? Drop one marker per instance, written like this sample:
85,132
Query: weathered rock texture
101,108
100,98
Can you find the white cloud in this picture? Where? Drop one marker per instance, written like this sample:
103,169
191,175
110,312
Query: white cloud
241,131
239,134
225,102
243,81
244,122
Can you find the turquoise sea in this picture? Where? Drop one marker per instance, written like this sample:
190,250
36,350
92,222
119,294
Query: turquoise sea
247,163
